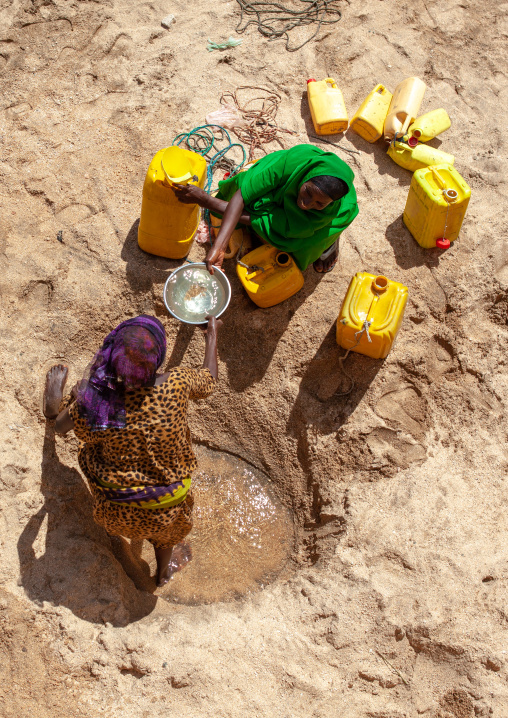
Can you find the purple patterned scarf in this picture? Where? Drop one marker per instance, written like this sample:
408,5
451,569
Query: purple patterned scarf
128,359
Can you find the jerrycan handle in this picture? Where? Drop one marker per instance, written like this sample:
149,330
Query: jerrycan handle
331,81
406,124
449,194
179,180
439,180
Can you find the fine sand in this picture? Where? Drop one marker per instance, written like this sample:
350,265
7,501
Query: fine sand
393,603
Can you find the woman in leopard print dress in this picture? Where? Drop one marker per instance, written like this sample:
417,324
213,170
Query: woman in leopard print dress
134,442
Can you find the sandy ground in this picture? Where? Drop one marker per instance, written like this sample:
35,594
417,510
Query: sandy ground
395,602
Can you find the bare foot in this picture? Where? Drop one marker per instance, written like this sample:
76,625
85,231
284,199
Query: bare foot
53,392
171,560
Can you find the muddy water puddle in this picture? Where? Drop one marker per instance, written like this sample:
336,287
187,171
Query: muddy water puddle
241,538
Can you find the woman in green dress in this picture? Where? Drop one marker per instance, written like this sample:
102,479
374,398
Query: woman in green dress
298,200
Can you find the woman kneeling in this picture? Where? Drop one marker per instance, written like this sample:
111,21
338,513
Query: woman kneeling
297,200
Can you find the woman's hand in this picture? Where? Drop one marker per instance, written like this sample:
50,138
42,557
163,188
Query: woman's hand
212,326
74,390
215,257
190,194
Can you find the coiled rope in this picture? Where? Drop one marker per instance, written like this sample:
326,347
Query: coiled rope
203,140
258,114
275,20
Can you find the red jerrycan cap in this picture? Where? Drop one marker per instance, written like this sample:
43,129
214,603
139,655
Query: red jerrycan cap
226,175
442,243
311,80
412,141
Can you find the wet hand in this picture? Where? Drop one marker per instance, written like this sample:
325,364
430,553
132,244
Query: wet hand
214,258
213,325
190,194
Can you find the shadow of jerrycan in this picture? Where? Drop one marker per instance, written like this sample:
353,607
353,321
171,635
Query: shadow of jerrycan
371,315
269,276
167,226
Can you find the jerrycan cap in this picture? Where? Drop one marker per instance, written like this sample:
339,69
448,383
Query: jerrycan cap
311,80
176,166
442,243
412,142
380,284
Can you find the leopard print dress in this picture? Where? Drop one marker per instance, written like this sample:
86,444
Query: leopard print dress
154,449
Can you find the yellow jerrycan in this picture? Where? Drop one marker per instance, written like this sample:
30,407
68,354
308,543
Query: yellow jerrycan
369,119
436,205
167,226
236,241
404,107
430,125
371,315
270,276
327,107
414,158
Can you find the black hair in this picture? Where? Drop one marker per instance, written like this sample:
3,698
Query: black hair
333,187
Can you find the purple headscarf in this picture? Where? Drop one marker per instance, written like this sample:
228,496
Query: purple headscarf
128,359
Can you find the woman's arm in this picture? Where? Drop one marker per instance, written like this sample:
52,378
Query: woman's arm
210,360
64,422
230,219
190,194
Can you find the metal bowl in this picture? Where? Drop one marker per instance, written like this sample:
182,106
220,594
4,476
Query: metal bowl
191,293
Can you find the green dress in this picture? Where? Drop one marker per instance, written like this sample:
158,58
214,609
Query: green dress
270,191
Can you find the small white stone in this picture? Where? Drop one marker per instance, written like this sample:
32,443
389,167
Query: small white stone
167,21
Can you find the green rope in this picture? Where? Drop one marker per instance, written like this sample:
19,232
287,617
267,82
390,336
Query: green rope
203,140
275,20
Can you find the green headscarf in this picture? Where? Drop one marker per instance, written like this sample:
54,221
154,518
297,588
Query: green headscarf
270,191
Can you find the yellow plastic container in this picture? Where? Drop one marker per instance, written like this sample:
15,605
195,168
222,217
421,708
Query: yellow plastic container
375,300
167,226
414,158
436,205
404,107
272,276
369,119
327,107
430,125
236,241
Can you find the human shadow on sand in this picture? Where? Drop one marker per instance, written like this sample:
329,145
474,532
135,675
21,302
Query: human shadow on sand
251,334
67,559
319,406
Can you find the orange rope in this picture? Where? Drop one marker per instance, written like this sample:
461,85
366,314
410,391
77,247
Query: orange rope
259,115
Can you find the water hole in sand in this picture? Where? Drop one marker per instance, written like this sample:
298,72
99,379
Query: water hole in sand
241,538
